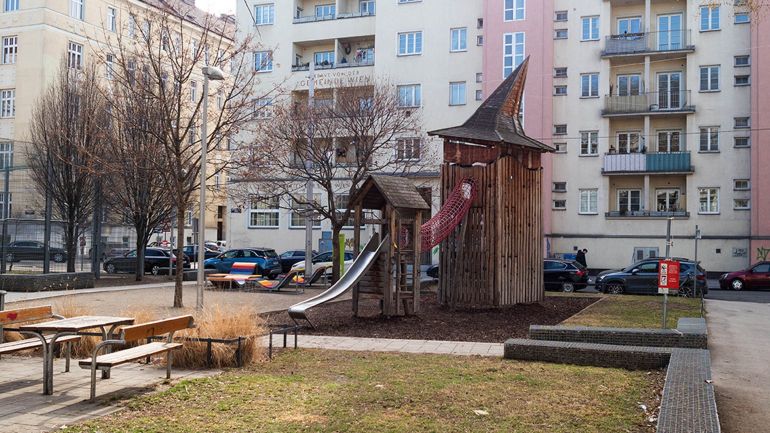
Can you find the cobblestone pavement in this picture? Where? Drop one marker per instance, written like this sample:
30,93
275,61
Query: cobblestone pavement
24,408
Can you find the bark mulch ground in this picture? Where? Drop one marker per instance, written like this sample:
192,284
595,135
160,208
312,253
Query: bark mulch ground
436,322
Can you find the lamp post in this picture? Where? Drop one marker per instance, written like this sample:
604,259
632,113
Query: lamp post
215,74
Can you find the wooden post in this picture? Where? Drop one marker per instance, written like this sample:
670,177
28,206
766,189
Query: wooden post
356,251
399,269
417,241
387,290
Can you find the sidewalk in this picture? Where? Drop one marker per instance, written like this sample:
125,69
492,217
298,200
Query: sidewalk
31,296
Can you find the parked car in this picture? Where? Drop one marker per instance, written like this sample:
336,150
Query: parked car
191,251
564,275
432,272
642,278
154,260
32,250
324,259
291,257
266,259
756,277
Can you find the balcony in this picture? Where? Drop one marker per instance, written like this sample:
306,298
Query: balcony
369,61
631,44
651,103
650,163
678,213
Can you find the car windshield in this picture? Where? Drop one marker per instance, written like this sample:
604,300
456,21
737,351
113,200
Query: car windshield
271,254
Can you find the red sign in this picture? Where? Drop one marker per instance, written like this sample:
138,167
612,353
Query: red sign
668,276
164,243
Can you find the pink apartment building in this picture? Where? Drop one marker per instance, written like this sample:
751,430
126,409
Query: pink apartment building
760,154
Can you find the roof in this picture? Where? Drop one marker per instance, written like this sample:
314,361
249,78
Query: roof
496,121
186,9
398,191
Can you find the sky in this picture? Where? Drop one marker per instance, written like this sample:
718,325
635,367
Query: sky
217,6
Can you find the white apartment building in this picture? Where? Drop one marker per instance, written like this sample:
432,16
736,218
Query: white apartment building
651,114
430,50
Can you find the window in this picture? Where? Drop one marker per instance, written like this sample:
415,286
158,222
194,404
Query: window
709,18
589,85
709,78
560,34
588,201
742,142
409,43
459,39
263,108
479,40
457,93
709,139
408,149
6,155
742,18
709,200
513,10
743,80
670,141
479,23
10,5
560,147
630,84
559,187
628,142
131,28
667,199
112,19
590,29
193,91
264,213
589,143
560,16
74,55
513,52
324,58
479,77
366,7
560,72
741,204
10,49
409,1
629,200
109,62
5,205
299,211
741,61
631,25
741,184
264,14
559,205
7,103
325,12
742,122
410,95
559,129
559,90
76,9
479,95
263,61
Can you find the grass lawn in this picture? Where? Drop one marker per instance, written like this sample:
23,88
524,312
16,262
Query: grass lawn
626,311
328,391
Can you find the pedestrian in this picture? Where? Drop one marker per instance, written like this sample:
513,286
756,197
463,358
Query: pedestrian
580,257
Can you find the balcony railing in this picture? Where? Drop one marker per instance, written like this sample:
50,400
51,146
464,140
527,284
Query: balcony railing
663,162
336,16
651,102
640,43
338,65
647,214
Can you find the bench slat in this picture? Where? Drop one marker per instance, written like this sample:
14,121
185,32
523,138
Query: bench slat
8,317
32,343
158,327
128,355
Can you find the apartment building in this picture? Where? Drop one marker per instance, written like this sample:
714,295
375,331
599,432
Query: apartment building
430,51
36,36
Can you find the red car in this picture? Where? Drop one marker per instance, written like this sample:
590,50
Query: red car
756,277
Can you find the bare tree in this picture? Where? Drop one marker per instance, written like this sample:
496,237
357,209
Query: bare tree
335,144
67,130
157,61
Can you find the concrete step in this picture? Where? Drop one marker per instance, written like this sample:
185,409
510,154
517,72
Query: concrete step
593,354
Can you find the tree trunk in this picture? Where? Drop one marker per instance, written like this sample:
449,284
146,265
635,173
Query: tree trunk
70,245
336,248
141,244
179,257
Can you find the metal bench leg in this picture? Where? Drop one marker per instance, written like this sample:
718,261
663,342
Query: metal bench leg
169,361
68,352
93,383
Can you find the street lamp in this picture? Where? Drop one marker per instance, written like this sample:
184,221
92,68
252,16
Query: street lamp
214,74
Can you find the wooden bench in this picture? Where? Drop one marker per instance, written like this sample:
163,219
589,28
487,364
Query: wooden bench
33,314
136,333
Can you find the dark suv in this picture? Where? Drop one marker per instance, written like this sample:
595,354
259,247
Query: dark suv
642,278
265,258
564,275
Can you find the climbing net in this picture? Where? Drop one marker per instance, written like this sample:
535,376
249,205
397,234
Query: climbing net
450,215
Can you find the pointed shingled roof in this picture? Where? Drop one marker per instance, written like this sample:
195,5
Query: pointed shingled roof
496,121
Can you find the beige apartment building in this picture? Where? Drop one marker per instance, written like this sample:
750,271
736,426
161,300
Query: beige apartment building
36,37
430,51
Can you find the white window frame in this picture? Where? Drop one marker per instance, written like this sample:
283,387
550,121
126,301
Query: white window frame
479,95
555,187
556,129
264,14
263,108
415,99
408,149
558,18
742,65
669,192
458,39
367,7
74,55
628,89
742,18
707,14
112,19
6,208
710,70
669,134
458,93
328,11
589,85
257,207
711,133
514,10
738,184
109,66
593,28
589,201
514,51
7,103
712,198
591,141
557,74
131,27
561,147
412,43
629,200
259,59
559,34
629,135
77,9
736,205
743,122
556,204
742,80
10,5
742,146
6,154
295,212
10,49
560,90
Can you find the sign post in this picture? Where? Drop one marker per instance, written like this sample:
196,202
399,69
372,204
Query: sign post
668,279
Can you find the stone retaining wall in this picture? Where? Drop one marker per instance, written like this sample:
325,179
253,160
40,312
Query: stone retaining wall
42,282
688,403
598,355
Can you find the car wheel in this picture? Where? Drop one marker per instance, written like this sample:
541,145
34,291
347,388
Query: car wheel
615,288
155,270
567,287
111,268
9,257
736,284
58,258
687,292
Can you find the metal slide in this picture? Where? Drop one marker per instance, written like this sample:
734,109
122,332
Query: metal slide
357,270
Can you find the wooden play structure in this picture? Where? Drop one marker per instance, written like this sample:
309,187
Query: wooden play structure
494,257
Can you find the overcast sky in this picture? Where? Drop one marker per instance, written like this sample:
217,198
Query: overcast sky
217,6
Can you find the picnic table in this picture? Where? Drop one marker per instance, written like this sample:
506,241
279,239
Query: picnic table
65,327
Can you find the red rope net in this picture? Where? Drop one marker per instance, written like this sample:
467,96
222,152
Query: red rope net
450,215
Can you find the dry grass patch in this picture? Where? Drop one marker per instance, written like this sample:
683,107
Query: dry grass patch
627,311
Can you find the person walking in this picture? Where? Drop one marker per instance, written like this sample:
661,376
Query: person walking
580,257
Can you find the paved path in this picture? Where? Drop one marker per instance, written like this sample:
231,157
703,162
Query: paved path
24,408
394,345
30,296
740,354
